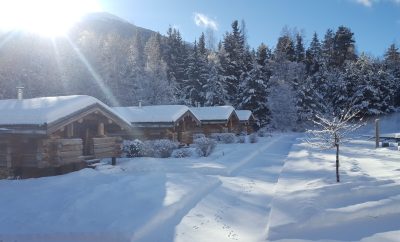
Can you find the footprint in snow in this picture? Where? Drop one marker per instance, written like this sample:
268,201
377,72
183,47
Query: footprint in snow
200,215
225,226
232,235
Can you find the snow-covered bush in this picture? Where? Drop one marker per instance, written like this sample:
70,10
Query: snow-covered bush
241,139
228,138
132,148
215,136
204,146
161,148
225,138
253,138
148,150
198,135
182,153
264,132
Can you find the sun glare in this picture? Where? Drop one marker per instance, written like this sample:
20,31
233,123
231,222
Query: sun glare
45,17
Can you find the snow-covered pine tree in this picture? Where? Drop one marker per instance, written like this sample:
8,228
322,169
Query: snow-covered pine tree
337,94
234,62
197,76
392,66
203,52
254,93
368,86
310,99
175,54
136,68
204,67
114,81
214,88
313,59
285,49
299,50
344,46
327,48
282,105
156,88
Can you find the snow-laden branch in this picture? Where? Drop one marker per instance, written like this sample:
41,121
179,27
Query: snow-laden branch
332,131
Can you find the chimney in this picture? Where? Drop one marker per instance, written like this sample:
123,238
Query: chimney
20,93
140,104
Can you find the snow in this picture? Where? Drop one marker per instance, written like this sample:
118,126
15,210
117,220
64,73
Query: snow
212,113
279,189
392,135
152,114
44,110
243,115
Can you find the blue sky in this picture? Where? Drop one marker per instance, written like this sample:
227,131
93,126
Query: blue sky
376,23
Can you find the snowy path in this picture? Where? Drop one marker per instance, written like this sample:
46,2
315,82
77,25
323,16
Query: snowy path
238,209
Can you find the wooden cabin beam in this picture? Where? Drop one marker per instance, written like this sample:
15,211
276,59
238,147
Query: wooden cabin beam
70,130
100,129
8,157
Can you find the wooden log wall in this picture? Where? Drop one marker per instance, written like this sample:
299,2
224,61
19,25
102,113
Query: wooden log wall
64,151
186,137
4,155
107,147
214,128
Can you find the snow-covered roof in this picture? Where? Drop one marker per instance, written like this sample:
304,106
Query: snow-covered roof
152,114
391,135
213,113
243,115
44,110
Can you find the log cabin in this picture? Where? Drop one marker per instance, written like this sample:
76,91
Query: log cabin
174,122
217,119
247,121
55,135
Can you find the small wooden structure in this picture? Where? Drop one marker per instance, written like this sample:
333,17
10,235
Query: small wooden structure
387,138
55,135
217,119
247,121
174,122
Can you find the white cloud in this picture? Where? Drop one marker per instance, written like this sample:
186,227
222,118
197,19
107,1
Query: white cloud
204,21
366,3
369,3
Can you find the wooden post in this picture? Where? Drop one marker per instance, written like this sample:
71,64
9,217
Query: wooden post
377,133
113,161
70,130
9,156
100,129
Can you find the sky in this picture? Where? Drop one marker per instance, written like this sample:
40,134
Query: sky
376,23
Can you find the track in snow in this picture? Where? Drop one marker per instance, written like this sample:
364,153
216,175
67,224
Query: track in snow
238,208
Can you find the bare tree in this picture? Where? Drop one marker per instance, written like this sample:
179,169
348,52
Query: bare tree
331,132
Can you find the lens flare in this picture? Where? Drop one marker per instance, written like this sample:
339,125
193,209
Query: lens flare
45,17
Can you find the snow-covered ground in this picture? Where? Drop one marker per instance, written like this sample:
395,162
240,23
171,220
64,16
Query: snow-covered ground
277,189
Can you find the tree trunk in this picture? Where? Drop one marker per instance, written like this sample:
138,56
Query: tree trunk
337,163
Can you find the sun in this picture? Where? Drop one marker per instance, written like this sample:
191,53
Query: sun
50,18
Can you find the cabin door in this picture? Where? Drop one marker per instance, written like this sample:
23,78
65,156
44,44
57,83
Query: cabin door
89,132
